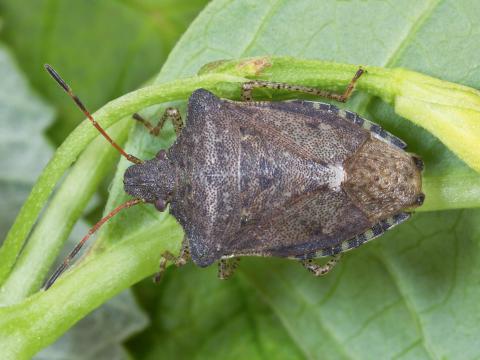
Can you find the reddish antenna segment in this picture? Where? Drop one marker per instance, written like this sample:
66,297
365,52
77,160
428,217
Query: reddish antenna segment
92,230
82,107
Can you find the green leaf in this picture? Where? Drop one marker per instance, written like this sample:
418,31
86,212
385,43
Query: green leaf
100,335
396,297
288,304
227,320
412,293
105,47
23,149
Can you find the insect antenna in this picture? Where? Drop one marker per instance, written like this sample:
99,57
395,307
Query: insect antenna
82,107
92,230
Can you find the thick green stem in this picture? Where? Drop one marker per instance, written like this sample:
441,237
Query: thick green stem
36,322
27,327
60,215
459,190
451,112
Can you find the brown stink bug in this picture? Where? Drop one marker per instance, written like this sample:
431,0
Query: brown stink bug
296,179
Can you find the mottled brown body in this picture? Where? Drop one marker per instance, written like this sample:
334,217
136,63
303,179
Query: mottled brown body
295,179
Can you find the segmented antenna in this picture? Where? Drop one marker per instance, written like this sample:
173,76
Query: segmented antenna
92,230
82,107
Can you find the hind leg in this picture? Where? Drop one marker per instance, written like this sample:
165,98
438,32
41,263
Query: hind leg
226,267
178,261
248,87
320,270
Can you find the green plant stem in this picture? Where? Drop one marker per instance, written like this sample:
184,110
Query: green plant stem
34,323
27,327
61,214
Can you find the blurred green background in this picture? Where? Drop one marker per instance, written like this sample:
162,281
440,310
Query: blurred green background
104,49
414,294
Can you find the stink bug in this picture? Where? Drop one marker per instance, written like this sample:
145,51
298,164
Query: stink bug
297,179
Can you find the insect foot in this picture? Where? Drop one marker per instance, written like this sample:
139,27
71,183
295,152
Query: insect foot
320,270
178,261
226,268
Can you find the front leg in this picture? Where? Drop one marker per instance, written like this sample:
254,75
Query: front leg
170,113
178,261
248,87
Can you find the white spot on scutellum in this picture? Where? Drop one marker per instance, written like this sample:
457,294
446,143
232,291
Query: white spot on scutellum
338,177
332,175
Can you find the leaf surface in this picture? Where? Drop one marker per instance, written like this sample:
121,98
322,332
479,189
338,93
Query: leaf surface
411,294
23,149
105,48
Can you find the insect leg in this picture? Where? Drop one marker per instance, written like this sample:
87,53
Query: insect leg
170,113
319,270
226,267
248,87
178,261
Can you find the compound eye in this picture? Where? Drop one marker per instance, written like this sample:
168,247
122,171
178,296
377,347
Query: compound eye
161,155
160,204
420,199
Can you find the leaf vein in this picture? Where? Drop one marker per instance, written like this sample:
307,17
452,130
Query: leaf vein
279,316
408,304
417,24
262,23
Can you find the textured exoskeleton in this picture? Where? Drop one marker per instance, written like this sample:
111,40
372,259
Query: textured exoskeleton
297,179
